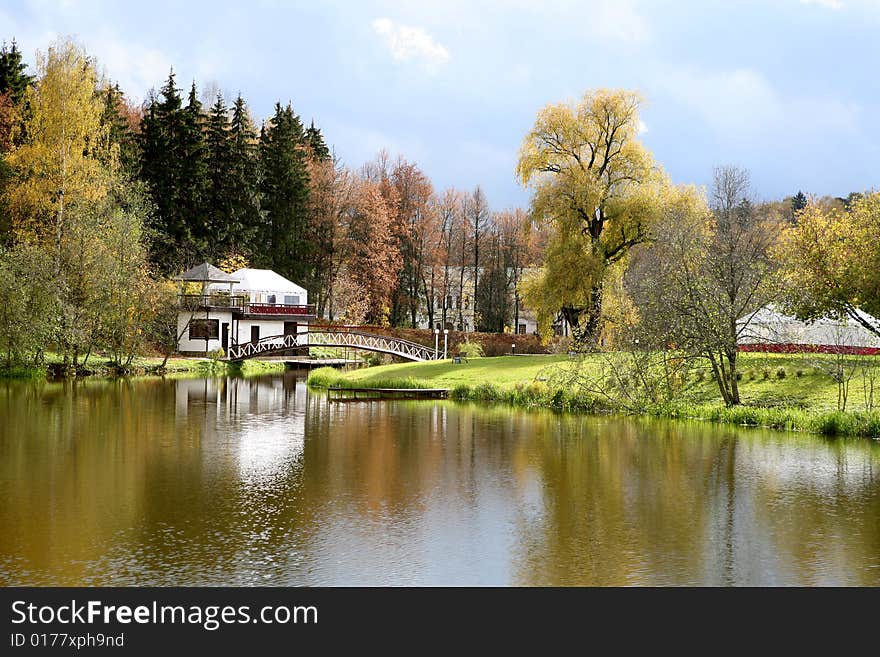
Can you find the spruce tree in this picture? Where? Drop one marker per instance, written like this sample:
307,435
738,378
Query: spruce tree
161,169
12,72
242,182
218,164
284,240
315,141
194,177
120,129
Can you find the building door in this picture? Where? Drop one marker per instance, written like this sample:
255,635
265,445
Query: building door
255,333
224,342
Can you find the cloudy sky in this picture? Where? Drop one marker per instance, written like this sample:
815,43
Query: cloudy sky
786,88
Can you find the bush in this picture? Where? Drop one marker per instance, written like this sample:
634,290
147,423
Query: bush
780,373
765,373
216,354
470,349
799,373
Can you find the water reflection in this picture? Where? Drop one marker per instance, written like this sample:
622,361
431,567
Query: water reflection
257,481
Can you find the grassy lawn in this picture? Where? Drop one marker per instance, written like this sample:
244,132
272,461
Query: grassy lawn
778,390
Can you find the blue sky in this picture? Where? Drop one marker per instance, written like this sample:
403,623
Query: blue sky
786,88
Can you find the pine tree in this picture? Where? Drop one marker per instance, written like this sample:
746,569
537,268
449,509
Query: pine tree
12,72
798,202
284,241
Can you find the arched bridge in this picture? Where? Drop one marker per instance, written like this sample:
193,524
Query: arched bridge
351,339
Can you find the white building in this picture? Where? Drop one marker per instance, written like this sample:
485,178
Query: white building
230,309
772,330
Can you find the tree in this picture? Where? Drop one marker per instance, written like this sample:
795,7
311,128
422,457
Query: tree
699,284
330,201
193,191
315,141
60,164
285,195
218,160
477,214
242,182
798,203
122,124
13,77
27,303
599,189
372,262
831,262
412,224
162,154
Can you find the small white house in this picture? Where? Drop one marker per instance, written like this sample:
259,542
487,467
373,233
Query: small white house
248,305
774,331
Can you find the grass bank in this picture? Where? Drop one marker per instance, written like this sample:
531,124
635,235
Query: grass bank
789,392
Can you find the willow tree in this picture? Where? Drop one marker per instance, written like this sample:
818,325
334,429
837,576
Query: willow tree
599,189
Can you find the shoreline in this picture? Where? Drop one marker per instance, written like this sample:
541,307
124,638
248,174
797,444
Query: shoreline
537,394
145,366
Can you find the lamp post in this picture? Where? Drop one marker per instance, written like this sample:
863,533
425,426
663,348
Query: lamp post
436,343
445,342
513,348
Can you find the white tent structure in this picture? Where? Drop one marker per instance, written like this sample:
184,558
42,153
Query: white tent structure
266,286
772,330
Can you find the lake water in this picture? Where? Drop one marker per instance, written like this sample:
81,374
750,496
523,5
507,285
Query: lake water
263,482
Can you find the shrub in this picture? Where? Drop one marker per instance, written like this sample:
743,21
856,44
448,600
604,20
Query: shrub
216,354
780,373
470,349
765,373
799,373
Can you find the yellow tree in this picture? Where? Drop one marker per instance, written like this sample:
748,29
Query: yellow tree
831,261
58,165
599,189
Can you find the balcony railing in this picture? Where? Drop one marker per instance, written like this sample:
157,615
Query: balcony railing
242,304
214,300
278,309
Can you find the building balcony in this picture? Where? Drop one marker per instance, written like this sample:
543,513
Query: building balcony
243,305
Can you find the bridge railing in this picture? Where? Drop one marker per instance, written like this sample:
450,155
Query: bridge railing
351,339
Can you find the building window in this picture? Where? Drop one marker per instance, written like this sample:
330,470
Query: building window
521,329
291,300
204,329
270,298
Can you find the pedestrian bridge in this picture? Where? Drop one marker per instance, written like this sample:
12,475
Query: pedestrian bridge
382,344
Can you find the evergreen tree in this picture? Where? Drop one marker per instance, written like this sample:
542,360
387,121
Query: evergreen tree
798,203
161,169
194,171
12,72
242,180
120,121
315,141
218,164
284,242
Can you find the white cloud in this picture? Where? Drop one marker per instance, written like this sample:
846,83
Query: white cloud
410,43
827,4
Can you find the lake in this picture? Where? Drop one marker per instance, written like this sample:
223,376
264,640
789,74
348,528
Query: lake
261,481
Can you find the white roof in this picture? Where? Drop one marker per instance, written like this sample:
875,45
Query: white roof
265,280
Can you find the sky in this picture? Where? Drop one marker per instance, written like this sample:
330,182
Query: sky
785,88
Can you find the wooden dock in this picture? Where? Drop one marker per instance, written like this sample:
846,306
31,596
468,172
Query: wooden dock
337,393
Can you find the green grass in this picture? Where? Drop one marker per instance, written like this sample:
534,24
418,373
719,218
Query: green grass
780,391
